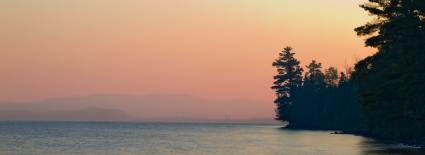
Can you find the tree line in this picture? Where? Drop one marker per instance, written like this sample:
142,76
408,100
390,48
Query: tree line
383,97
314,99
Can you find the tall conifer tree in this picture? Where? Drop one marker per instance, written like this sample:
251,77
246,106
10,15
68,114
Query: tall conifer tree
391,82
287,80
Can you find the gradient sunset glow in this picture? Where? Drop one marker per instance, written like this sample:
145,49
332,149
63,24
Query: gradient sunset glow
216,50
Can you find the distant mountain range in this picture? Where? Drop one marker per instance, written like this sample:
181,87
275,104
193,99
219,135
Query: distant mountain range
158,108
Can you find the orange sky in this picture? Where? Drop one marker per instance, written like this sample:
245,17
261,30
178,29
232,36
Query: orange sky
217,49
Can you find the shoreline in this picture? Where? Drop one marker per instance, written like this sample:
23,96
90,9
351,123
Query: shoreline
411,144
399,144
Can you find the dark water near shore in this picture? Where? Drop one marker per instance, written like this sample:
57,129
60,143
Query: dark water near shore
90,138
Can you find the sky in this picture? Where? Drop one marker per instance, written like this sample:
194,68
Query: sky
213,49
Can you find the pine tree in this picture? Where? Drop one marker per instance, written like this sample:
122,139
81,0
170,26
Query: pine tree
288,78
397,21
314,76
391,82
331,77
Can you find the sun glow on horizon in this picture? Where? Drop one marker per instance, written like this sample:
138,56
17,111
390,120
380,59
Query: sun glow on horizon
212,49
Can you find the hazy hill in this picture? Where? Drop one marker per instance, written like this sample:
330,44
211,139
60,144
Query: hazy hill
168,108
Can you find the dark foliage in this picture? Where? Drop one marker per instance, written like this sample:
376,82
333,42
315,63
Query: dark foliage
392,82
288,79
385,96
321,101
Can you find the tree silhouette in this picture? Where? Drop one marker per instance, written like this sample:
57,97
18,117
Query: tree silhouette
288,79
392,81
343,79
314,76
319,101
331,77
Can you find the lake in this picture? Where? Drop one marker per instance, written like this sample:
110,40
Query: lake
102,138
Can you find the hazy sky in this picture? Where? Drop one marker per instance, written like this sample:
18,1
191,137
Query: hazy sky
215,49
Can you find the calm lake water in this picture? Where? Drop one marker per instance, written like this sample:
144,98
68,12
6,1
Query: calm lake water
71,138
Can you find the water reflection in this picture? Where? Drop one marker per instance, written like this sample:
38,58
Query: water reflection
323,142
371,147
89,138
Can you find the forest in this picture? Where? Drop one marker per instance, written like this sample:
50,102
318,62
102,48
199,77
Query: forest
382,97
